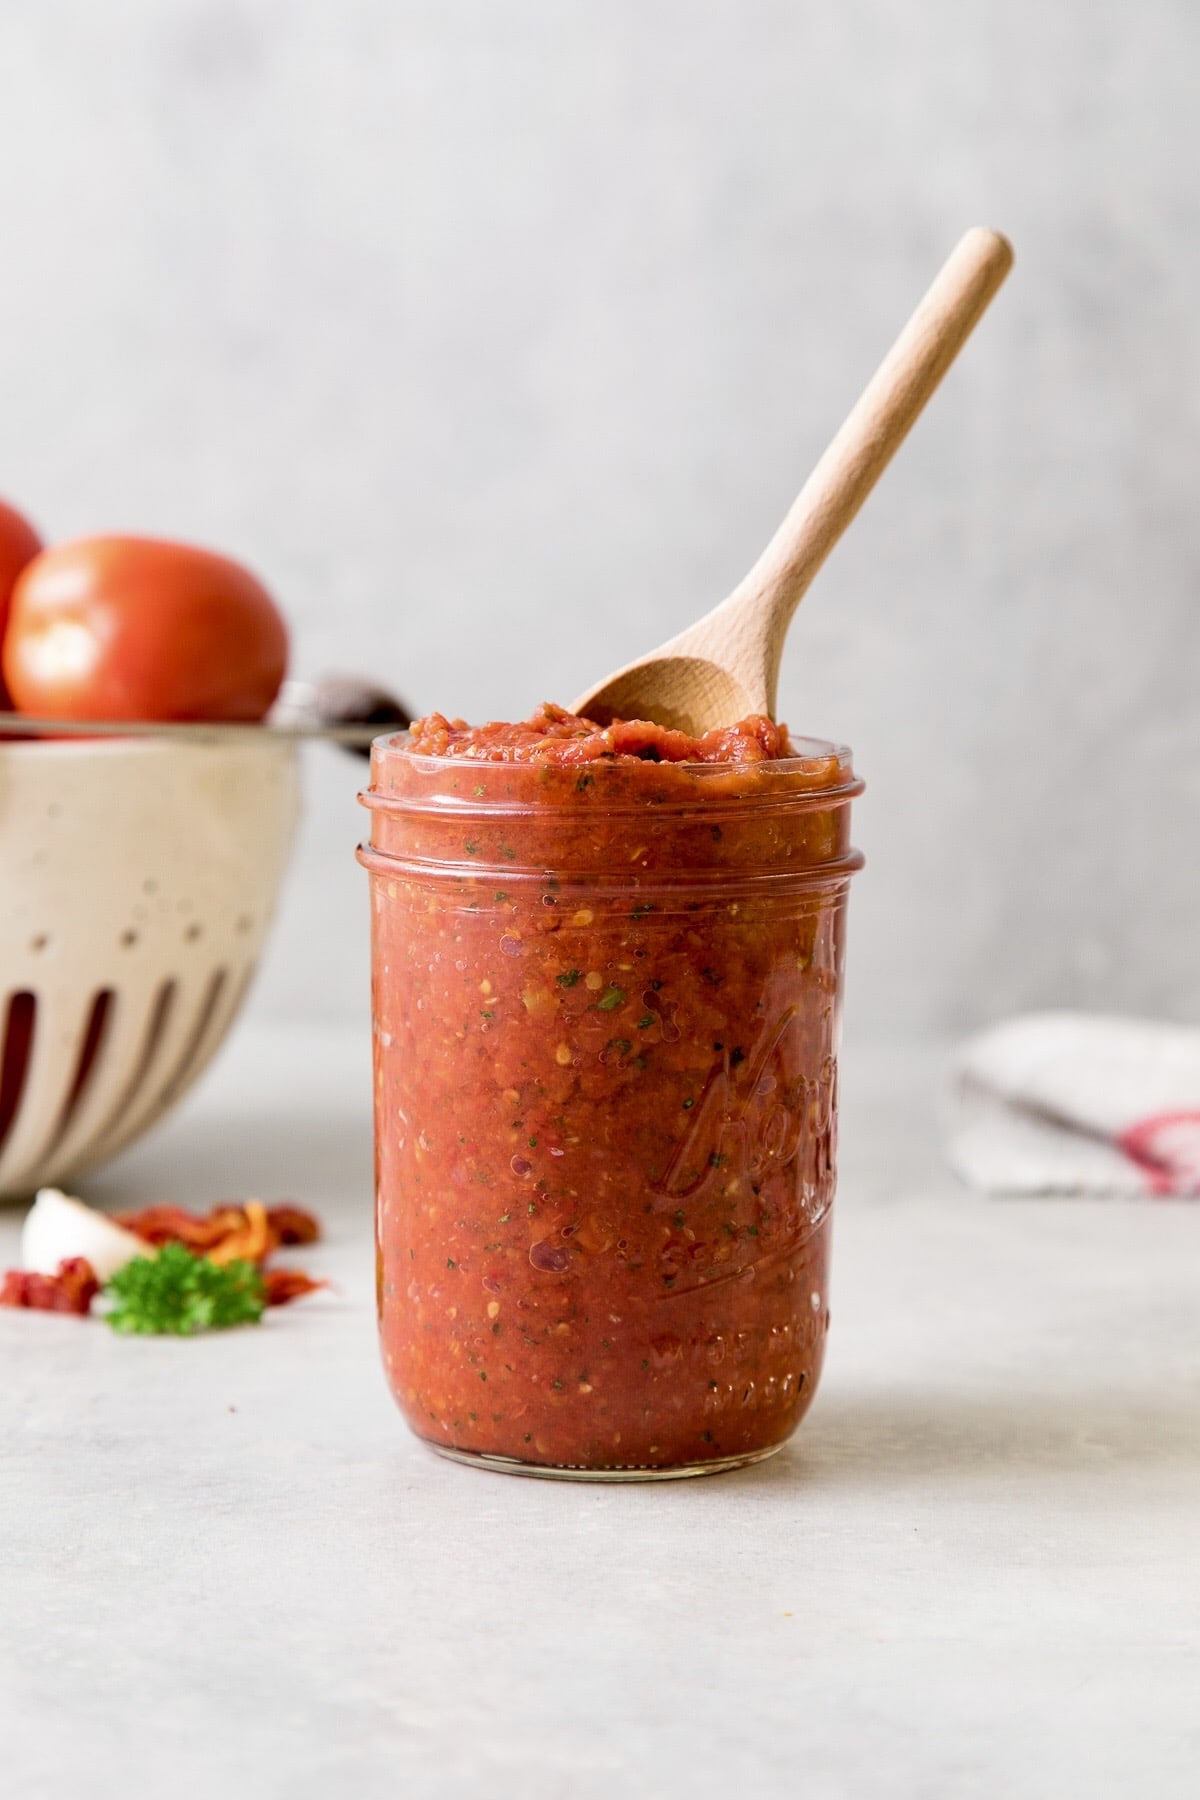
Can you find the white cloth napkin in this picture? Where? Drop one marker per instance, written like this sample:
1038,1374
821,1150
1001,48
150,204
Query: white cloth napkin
1077,1103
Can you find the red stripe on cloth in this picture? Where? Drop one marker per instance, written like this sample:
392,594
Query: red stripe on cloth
1166,1147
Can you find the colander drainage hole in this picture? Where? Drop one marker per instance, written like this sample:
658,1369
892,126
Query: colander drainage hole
19,1027
195,1045
89,1051
156,1027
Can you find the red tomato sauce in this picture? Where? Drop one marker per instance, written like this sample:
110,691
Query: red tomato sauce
562,738
606,986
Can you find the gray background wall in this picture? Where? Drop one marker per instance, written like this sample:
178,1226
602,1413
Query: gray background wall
497,335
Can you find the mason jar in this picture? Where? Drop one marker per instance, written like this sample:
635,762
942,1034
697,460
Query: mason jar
606,1010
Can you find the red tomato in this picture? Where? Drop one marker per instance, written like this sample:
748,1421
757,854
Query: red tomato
19,544
133,628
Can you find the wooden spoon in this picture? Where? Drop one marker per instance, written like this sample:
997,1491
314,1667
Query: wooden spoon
727,665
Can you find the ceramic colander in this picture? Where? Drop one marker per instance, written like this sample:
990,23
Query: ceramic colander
137,883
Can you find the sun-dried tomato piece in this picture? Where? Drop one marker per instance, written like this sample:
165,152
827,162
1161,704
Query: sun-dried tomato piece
285,1285
70,1290
250,1242
252,1231
293,1224
175,1225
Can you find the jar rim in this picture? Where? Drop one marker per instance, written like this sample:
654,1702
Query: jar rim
670,820
414,782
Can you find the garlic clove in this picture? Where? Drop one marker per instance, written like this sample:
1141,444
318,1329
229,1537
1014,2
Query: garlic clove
58,1226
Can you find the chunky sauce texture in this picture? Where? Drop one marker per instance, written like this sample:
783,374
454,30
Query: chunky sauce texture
606,984
555,736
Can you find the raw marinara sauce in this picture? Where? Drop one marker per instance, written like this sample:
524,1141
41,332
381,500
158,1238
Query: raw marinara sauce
606,976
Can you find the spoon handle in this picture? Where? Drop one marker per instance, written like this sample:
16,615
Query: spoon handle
767,597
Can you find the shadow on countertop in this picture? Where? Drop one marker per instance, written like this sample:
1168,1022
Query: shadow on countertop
887,1438
322,1161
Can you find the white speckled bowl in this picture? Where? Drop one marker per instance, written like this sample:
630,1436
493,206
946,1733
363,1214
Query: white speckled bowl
138,879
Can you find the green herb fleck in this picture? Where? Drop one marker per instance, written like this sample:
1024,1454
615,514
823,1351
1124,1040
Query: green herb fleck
504,1218
178,1294
470,847
569,977
450,1263
610,999
500,894
688,1105
533,1143
646,1021
585,781
485,1014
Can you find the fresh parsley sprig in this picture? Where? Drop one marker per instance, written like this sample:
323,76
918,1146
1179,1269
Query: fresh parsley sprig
176,1293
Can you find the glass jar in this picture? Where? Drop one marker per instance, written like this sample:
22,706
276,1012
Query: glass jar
606,1008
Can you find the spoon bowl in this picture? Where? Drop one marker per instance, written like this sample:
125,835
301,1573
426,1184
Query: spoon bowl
682,693
726,666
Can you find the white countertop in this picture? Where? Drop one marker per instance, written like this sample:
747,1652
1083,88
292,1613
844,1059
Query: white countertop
228,1569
